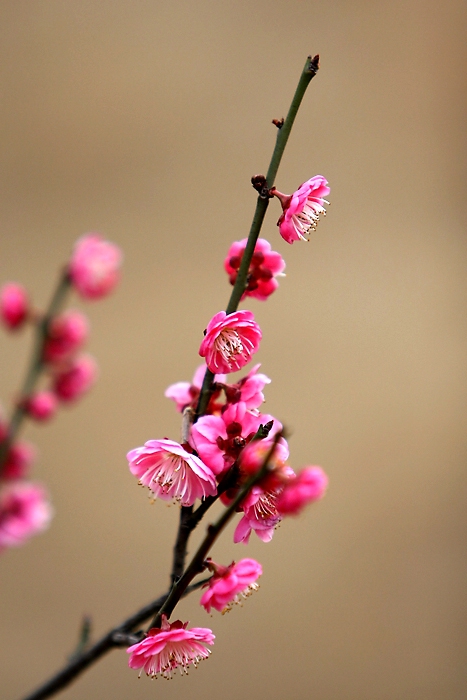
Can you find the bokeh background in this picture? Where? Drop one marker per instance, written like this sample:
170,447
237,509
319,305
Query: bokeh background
144,121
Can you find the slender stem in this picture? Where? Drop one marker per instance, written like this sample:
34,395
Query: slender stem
36,364
110,640
283,133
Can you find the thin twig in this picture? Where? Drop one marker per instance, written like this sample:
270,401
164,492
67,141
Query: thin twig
111,640
308,73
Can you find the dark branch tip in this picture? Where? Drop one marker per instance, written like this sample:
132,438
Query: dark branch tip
313,65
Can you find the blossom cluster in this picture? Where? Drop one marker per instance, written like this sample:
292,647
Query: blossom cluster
67,374
231,441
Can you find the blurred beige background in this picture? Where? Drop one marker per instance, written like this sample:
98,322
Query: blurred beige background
145,120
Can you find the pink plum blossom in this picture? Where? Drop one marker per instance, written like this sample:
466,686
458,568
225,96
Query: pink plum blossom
169,647
219,440
230,584
259,514
308,486
75,379
230,341
185,394
265,266
24,511
171,472
302,209
19,460
14,305
42,405
94,266
66,334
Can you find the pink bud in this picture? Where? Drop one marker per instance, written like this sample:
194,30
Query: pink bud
13,305
19,460
94,266
42,405
308,486
66,334
74,381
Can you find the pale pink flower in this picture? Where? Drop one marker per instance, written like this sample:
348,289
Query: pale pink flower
24,511
66,334
185,394
171,472
308,486
14,305
42,405
74,380
265,266
19,460
230,341
230,584
169,647
302,209
219,440
259,514
94,266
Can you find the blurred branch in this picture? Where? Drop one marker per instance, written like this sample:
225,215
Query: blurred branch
36,363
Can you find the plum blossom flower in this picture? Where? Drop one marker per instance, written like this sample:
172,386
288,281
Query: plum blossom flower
260,514
75,379
169,647
24,511
42,405
65,335
171,472
94,266
265,266
302,209
230,341
14,305
219,440
308,486
230,584
185,394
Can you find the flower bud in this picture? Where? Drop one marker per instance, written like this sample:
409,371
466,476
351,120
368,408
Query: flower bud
94,266
41,406
65,335
13,305
76,379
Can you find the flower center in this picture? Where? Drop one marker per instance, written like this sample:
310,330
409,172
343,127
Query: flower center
229,344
